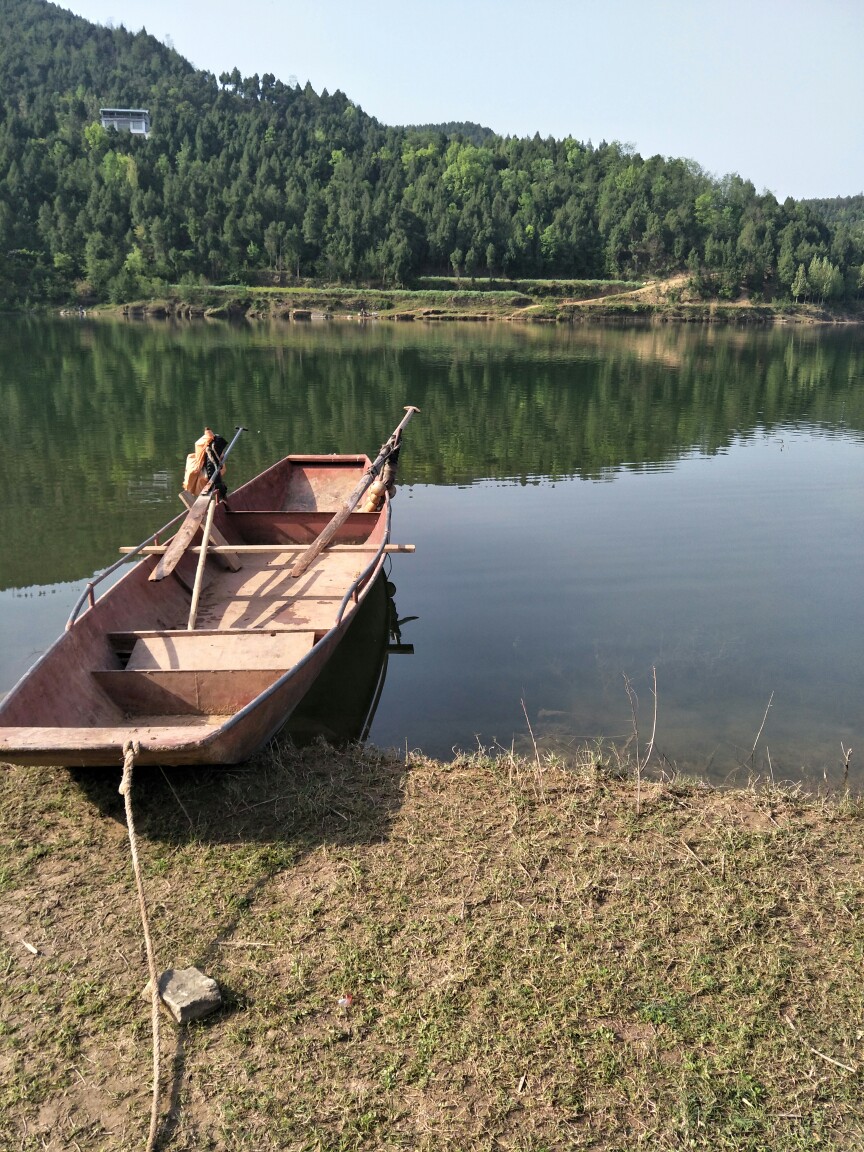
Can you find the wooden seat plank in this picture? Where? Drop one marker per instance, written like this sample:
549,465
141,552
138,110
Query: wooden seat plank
205,651
184,692
261,549
300,527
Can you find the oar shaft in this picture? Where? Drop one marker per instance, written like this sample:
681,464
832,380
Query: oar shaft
199,572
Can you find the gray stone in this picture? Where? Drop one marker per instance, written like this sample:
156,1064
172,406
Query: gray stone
187,994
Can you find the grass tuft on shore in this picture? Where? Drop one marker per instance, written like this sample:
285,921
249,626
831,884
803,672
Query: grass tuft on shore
536,960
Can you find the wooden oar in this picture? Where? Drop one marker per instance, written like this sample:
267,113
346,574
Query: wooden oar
199,572
183,536
321,542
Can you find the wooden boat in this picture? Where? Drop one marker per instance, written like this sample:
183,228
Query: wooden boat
130,667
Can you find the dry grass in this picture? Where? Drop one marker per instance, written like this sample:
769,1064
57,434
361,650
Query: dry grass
533,965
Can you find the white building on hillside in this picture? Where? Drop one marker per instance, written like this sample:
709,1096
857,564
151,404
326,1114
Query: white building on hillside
134,120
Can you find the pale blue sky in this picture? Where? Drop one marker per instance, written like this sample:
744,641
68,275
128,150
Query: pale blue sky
771,89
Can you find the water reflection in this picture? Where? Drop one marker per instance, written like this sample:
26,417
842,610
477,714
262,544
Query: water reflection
101,411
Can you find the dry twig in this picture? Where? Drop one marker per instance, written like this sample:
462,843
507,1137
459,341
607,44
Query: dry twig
536,751
634,712
761,726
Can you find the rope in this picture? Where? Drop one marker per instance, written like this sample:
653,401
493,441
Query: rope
130,750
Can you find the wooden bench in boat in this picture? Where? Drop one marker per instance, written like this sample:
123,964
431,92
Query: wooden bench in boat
298,527
234,550
206,651
124,643
201,673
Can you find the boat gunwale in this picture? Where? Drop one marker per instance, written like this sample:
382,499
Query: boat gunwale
94,581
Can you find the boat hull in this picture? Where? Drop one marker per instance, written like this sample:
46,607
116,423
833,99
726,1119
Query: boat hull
130,669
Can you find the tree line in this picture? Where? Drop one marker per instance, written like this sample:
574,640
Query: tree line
251,180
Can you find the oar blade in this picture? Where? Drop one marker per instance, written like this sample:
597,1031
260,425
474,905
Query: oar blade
182,538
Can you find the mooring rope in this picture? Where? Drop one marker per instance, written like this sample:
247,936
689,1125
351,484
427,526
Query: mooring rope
130,750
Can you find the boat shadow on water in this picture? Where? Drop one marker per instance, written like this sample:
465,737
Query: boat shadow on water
315,783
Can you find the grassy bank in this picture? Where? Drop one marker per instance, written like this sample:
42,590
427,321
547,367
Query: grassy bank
430,299
539,957
558,301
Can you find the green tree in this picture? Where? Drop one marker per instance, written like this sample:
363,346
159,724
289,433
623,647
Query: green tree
800,284
786,265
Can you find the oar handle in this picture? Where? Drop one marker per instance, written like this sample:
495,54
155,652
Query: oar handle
209,486
388,447
409,412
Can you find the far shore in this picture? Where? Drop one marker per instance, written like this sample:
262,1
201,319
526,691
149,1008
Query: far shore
551,302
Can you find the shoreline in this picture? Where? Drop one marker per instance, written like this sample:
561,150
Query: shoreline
655,302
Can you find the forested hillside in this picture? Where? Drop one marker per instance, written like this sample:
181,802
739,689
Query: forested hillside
247,179
842,210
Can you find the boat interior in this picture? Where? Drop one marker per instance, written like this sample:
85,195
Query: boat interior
151,662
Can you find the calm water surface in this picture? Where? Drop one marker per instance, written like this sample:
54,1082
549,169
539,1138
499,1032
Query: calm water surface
588,505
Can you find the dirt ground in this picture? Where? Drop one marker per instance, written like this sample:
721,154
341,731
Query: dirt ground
538,955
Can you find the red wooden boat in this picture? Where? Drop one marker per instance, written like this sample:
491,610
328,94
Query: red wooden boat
206,664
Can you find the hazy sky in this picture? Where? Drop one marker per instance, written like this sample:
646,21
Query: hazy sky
770,89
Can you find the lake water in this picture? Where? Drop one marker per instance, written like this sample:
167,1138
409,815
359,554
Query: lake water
589,506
